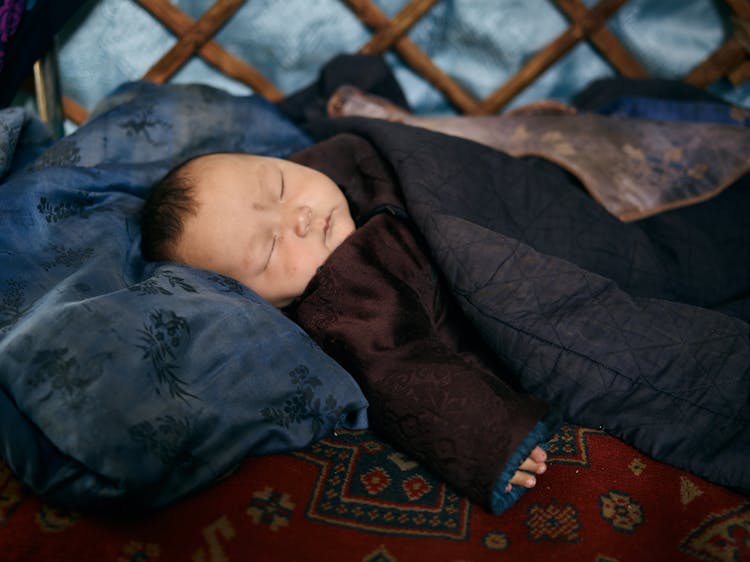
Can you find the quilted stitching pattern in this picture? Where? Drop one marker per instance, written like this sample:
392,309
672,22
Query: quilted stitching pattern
528,256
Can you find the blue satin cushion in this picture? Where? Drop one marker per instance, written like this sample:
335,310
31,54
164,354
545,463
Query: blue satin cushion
127,383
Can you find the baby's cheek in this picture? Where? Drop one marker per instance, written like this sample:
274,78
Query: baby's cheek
300,271
347,231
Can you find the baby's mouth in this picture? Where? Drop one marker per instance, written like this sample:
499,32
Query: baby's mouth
327,227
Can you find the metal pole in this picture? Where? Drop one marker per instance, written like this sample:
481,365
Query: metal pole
47,90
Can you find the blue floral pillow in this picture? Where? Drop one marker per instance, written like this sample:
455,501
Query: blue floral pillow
131,383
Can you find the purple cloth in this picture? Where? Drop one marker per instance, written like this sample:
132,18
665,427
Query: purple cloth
26,31
10,16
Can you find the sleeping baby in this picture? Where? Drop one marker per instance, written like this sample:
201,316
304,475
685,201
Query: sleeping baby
374,303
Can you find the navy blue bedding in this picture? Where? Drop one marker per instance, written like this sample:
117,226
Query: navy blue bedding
132,384
637,328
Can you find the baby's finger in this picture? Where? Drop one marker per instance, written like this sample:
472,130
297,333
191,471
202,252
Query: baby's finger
538,454
531,465
521,478
535,463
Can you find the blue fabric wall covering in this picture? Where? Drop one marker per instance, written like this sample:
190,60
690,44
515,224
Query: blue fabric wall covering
480,43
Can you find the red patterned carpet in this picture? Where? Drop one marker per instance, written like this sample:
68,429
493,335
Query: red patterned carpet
352,497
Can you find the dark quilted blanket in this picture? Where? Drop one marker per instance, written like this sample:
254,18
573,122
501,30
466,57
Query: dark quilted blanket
639,328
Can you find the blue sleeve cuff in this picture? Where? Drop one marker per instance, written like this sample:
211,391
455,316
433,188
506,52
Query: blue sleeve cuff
542,432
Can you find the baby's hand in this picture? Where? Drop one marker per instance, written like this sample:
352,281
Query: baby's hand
534,464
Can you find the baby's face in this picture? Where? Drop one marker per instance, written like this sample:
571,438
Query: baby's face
266,222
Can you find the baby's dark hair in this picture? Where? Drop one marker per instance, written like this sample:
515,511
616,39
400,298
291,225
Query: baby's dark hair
163,216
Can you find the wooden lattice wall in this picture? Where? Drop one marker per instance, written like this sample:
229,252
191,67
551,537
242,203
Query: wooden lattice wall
195,38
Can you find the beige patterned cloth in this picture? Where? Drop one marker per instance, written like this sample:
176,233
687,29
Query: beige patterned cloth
633,167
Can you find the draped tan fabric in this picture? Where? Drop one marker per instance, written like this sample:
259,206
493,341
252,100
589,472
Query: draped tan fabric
633,167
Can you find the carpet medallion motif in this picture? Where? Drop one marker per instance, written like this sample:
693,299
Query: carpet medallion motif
54,519
568,445
601,501
138,551
724,537
623,512
365,484
554,522
689,491
496,540
271,508
381,554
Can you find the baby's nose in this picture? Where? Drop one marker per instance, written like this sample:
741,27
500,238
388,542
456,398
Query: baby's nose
302,219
